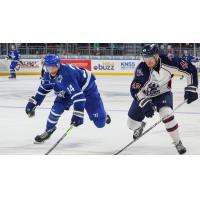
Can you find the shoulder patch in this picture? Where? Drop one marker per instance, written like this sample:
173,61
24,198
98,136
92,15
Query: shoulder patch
59,78
136,86
139,72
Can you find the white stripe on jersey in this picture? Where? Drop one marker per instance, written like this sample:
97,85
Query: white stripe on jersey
44,89
41,93
88,79
53,122
57,115
77,94
79,100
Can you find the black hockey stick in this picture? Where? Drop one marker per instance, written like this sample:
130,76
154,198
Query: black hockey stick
158,122
53,147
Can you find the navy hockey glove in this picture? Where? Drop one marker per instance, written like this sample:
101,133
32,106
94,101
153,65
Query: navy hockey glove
191,94
31,106
77,118
147,107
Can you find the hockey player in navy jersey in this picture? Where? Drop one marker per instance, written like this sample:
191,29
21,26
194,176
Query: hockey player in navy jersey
72,86
151,91
14,56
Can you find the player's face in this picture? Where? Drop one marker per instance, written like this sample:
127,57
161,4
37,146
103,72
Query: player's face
52,70
151,61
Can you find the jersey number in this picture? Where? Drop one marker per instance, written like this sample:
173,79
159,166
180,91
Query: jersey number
70,89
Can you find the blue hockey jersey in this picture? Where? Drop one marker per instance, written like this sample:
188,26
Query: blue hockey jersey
145,78
189,58
14,55
71,84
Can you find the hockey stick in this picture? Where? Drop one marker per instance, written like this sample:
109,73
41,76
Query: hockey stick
158,122
53,147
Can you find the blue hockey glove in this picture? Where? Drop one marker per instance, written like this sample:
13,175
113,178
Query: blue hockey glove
31,106
77,118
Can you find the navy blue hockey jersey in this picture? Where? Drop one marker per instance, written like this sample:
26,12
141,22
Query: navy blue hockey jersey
161,76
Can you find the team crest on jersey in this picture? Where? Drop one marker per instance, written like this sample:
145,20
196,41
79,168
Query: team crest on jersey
139,72
60,93
59,78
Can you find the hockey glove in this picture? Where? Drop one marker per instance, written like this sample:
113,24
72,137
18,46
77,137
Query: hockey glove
147,107
77,118
31,106
191,94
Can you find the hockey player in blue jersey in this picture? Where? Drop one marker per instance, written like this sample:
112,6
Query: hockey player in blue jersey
72,86
14,56
188,58
151,91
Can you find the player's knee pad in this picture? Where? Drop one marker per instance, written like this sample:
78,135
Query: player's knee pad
133,124
100,123
170,121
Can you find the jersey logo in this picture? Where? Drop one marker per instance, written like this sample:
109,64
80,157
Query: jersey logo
60,93
152,89
96,115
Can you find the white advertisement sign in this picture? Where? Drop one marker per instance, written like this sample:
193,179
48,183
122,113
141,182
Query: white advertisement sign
114,65
30,65
99,67
27,65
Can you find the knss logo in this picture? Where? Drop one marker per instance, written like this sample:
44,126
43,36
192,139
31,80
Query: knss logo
104,66
127,65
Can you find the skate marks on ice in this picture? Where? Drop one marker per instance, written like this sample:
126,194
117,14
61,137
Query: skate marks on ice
81,147
89,140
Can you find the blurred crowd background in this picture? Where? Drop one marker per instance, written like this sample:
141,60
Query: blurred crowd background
96,50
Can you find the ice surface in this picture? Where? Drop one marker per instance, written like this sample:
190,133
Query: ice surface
17,131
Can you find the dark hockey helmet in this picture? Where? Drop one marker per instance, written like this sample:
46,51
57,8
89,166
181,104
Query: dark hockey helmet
150,50
52,60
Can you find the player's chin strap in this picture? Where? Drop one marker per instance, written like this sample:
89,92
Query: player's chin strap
158,122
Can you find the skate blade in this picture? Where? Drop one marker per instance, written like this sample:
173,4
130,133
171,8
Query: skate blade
39,142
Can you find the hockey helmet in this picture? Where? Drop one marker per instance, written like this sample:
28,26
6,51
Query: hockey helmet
150,50
52,60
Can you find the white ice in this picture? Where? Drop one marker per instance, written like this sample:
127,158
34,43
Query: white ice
17,131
